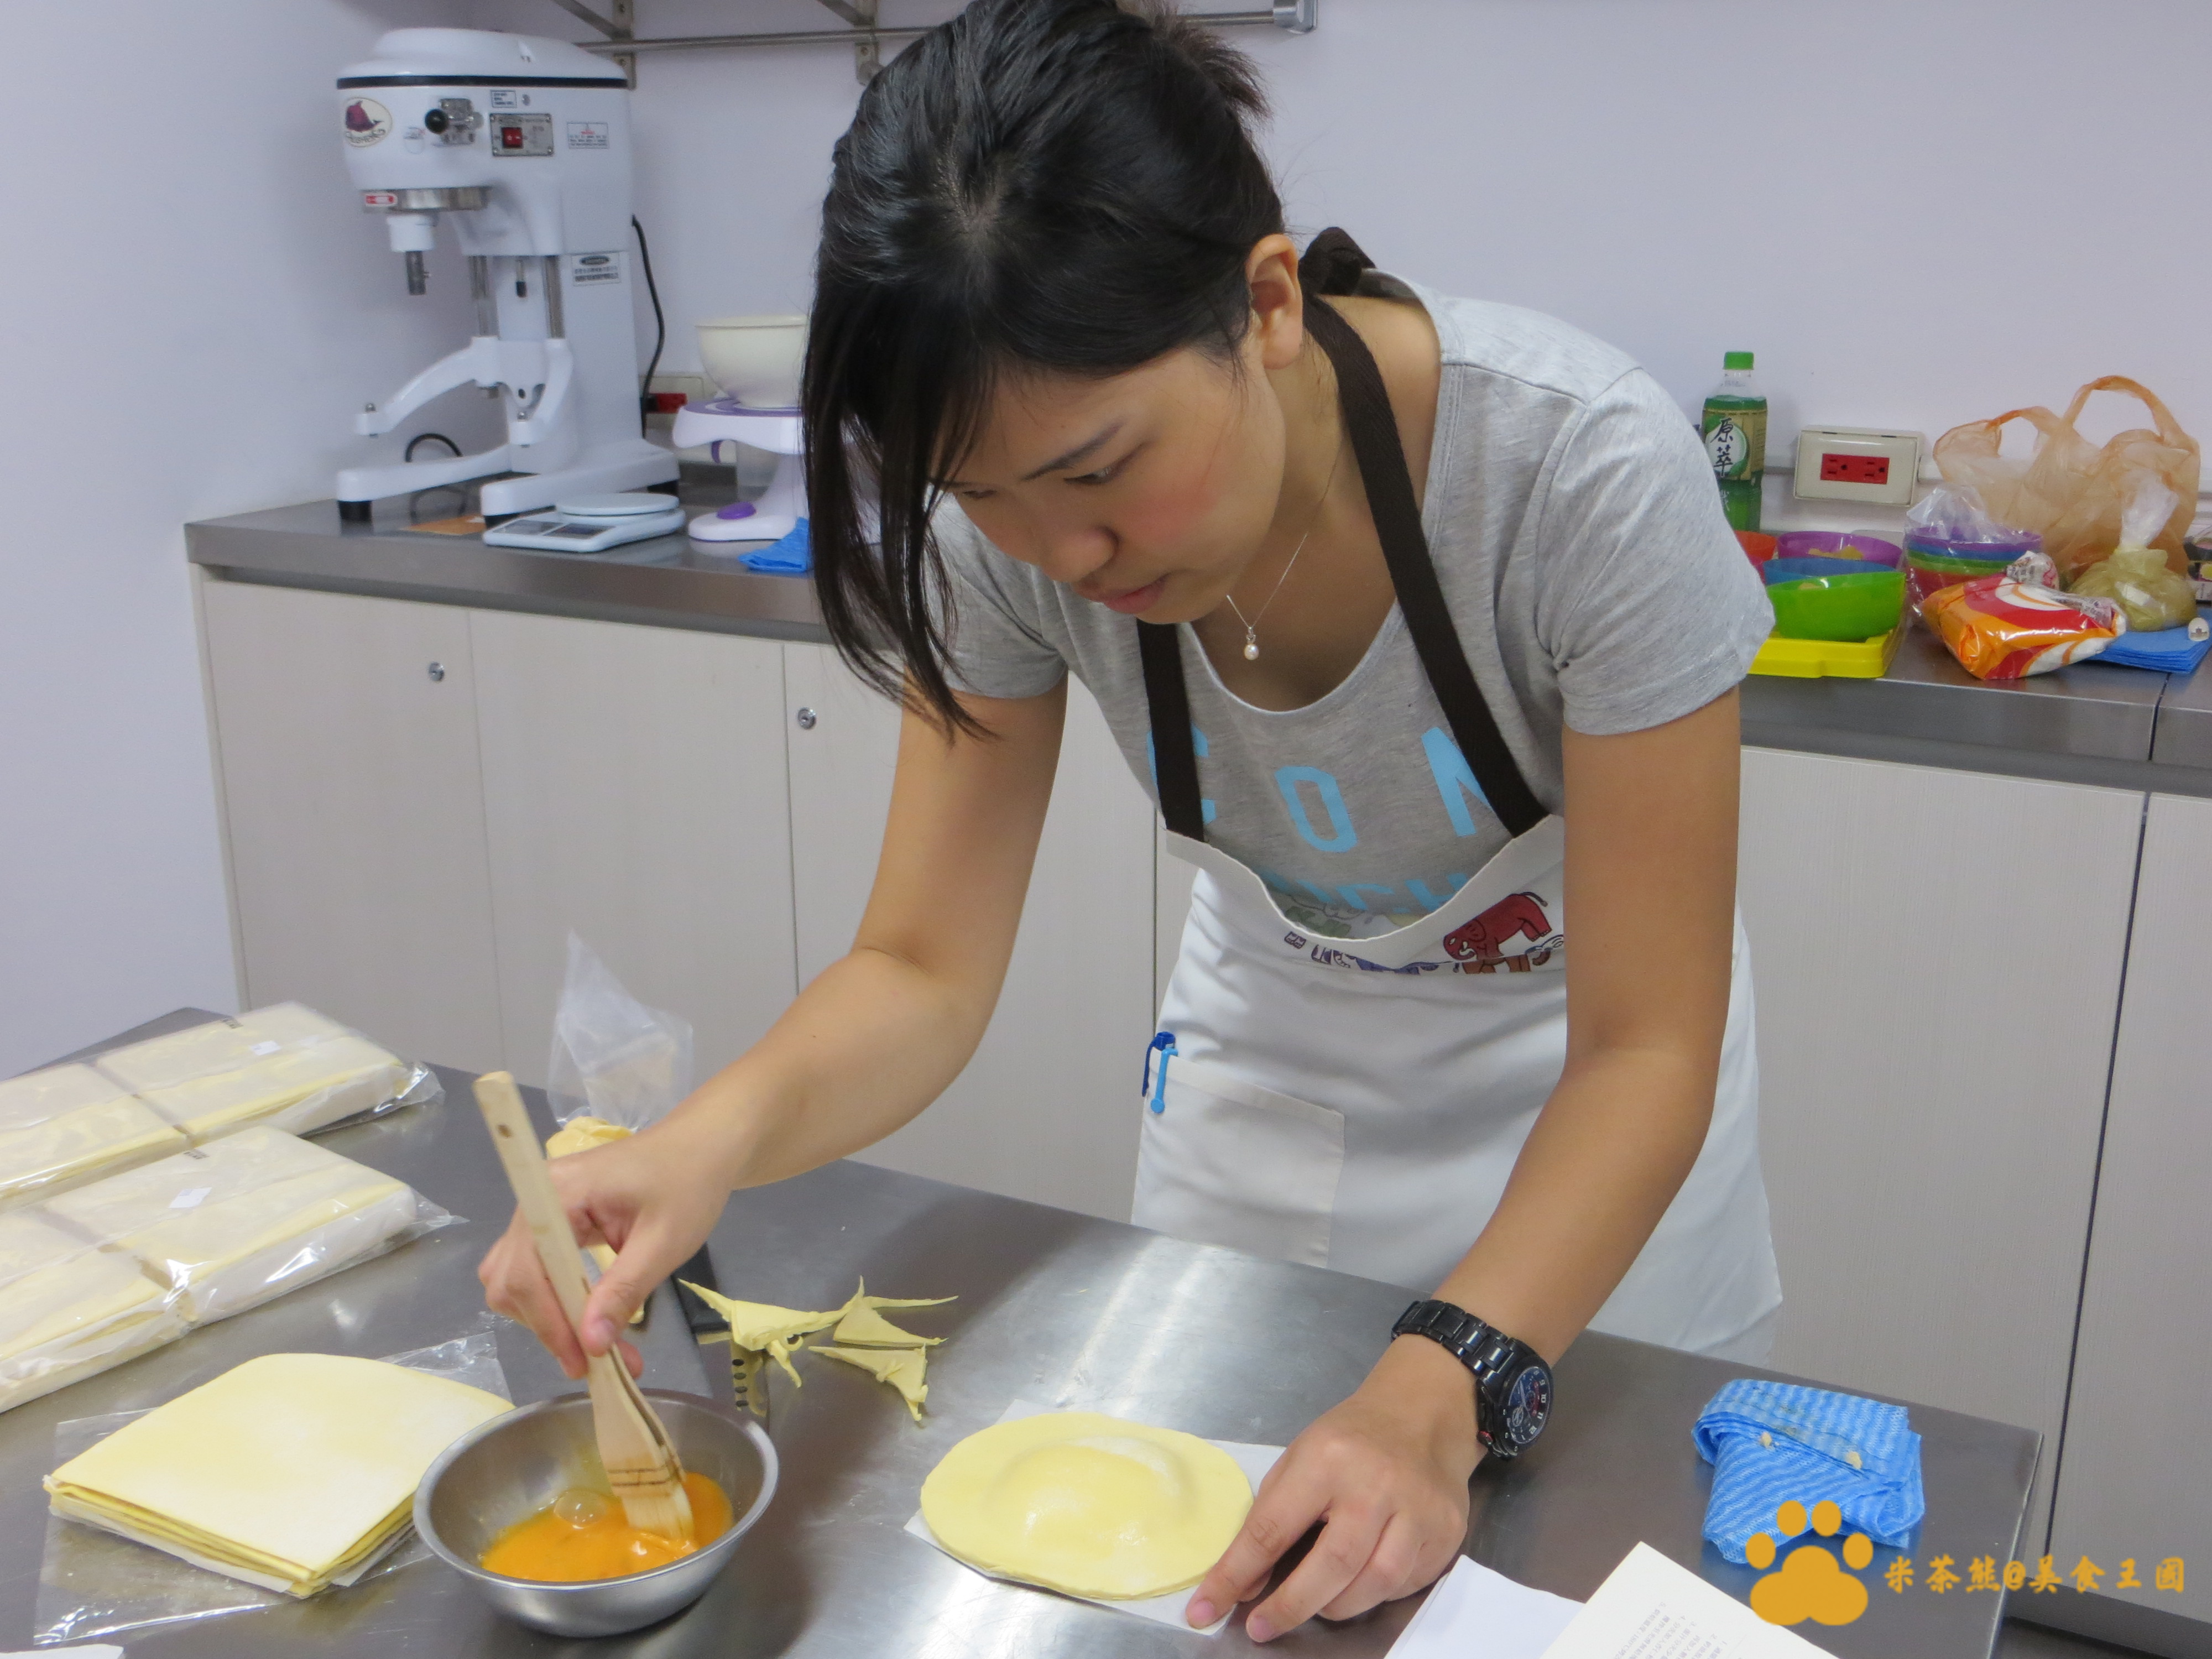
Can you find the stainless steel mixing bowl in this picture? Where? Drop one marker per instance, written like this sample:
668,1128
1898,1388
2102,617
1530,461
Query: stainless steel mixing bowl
515,1465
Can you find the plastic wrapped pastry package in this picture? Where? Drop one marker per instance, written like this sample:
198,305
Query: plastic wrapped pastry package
292,1472
67,1125
285,1066
69,1309
116,1570
229,1225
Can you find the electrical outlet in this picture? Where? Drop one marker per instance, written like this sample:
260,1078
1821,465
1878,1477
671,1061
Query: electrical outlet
1857,463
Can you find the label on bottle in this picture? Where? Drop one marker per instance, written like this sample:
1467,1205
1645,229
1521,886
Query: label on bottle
1736,442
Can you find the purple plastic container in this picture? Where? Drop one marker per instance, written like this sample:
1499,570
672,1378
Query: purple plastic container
1823,544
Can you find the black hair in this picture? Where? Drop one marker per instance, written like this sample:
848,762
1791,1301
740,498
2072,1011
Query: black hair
1066,185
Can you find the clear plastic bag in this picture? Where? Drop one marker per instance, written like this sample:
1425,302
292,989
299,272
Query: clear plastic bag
98,1275
2136,575
283,1067
94,1583
613,1059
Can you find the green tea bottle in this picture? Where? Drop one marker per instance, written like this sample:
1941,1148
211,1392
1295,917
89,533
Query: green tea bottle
1735,439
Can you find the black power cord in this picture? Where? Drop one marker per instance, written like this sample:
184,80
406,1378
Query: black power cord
659,326
408,454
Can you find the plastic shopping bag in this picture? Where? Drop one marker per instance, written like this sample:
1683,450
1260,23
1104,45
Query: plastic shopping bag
2070,490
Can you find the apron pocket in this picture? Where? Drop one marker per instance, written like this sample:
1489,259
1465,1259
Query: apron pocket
1230,1163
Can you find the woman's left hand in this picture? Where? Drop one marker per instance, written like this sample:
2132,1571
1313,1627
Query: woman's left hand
1386,1471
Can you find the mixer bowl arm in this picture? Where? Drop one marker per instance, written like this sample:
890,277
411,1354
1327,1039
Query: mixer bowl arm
476,362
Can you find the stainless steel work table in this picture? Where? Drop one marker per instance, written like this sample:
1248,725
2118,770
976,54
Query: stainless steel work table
2088,724
1053,1307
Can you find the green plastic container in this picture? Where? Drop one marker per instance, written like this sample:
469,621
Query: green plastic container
1853,607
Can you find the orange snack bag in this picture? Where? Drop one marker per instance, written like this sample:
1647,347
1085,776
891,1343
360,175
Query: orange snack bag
2003,629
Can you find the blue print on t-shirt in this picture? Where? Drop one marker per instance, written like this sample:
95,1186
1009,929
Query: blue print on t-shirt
1455,779
1287,779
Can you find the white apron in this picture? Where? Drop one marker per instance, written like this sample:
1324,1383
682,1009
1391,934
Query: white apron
1358,1104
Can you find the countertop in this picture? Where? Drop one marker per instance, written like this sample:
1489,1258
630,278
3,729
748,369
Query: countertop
1052,1307
2088,724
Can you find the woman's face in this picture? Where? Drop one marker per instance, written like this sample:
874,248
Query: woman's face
1148,492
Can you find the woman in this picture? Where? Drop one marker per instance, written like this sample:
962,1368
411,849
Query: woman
1423,613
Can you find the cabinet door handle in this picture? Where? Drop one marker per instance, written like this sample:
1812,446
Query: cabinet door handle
437,671
806,719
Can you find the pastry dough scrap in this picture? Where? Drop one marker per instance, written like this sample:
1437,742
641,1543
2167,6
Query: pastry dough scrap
763,1327
245,1218
862,1327
903,1368
582,1132
1087,1505
293,1471
68,1310
67,1125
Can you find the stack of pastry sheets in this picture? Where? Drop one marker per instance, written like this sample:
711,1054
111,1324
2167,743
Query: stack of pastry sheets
69,1309
93,1277
242,1220
67,1125
284,1068
293,1472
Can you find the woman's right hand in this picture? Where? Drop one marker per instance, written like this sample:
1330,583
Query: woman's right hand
652,1197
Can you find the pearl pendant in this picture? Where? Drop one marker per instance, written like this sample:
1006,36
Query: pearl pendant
1251,649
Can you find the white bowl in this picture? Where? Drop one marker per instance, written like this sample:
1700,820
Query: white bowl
756,360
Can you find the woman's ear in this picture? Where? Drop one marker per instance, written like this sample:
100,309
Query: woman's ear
1278,304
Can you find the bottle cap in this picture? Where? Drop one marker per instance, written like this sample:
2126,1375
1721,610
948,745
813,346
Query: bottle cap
1735,360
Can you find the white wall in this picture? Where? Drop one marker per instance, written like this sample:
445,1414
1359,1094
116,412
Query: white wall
1915,214
194,308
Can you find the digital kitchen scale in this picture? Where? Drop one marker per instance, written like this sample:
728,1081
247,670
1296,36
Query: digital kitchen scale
591,524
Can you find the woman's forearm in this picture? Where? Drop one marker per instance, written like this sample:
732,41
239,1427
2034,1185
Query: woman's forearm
1607,1156
869,1043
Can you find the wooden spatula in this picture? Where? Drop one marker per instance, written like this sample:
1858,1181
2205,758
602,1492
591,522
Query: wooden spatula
641,1462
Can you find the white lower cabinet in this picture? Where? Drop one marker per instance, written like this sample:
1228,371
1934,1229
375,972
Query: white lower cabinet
1048,1110
633,791
1937,958
2136,1474
422,801
346,733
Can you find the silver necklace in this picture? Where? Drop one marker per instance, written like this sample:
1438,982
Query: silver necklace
1252,627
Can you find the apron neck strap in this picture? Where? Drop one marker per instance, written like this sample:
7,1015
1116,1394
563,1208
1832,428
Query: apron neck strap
1333,264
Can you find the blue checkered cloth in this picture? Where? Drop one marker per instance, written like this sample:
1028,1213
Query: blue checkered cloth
792,557
1771,1442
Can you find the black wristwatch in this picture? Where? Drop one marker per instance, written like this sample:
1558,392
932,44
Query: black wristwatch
1512,1384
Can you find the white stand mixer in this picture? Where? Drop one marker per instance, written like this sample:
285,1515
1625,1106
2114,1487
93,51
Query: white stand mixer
525,141
756,362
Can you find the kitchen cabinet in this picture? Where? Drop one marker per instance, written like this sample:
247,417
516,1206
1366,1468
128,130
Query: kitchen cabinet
1047,1109
423,800
633,783
346,736
1937,958
2137,1465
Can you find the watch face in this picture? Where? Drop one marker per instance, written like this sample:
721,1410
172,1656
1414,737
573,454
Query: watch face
1528,1404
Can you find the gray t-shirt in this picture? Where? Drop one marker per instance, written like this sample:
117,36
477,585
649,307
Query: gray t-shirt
1578,537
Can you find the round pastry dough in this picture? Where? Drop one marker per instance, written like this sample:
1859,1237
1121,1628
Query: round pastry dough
1087,1505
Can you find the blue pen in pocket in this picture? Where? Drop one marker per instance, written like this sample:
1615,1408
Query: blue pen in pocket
1163,1045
